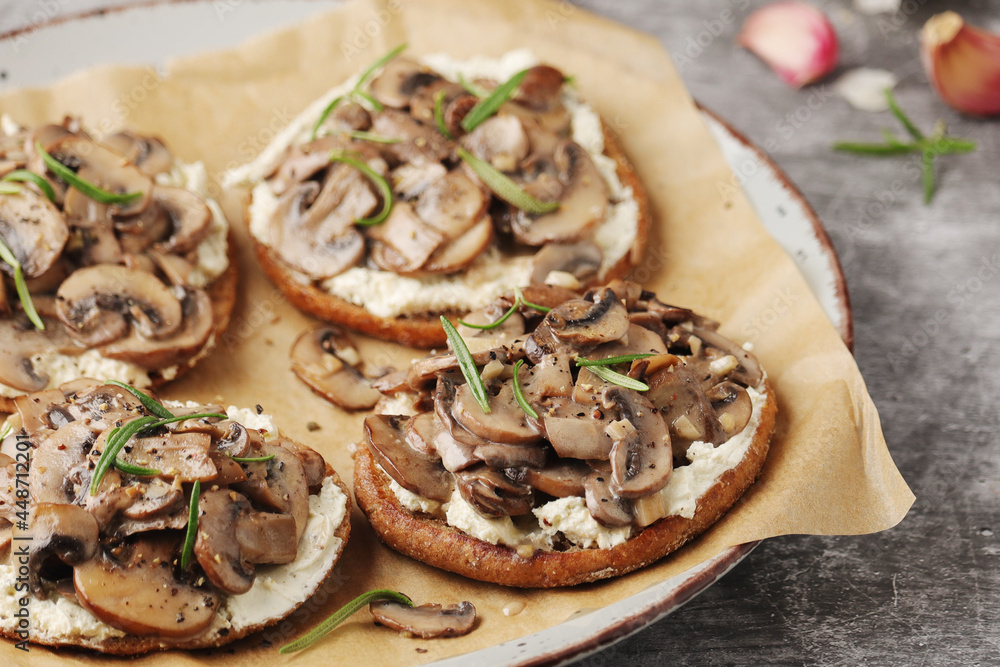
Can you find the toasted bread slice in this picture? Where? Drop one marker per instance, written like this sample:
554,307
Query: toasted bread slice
425,330
438,544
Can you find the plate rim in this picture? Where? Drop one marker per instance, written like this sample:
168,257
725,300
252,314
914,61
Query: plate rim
708,572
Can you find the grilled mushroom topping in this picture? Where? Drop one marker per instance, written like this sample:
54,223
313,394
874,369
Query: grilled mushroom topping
613,388
325,359
122,545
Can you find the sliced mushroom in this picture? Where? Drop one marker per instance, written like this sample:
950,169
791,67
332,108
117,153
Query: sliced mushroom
65,532
305,161
134,588
94,242
279,484
540,92
404,242
216,546
400,79
346,117
452,204
157,498
492,493
732,406
53,460
500,140
313,463
462,251
147,153
607,508
181,456
641,460
749,372
428,621
559,479
325,359
677,393
138,233
583,201
423,101
430,437
412,470
97,304
409,180
581,260
417,143
104,168
502,455
506,422
601,319
198,324
34,230
577,430
296,241
483,340
190,217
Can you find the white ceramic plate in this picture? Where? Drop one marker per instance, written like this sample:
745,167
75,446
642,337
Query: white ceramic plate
147,34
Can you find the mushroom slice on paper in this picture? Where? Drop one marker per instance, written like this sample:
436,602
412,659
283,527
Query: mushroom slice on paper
325,359
428,621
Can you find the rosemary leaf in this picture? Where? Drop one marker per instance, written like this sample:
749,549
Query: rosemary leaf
466,364
341,615
519,395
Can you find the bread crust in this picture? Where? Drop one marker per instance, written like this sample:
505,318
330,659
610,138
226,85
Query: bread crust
425,331
222,293
135,645
434,542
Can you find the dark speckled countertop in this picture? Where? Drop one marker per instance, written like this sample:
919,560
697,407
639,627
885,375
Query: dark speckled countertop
924,282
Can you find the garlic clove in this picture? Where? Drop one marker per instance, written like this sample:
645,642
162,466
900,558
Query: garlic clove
864,88
794,38
963,64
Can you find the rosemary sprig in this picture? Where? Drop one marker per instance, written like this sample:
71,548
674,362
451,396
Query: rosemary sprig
505,188
192,528
489,105
466,364
25,176
117,438
519,395
929,147
371,136
533,306
610,361
9,188
357,92
147,401
8,428
377,179
439,115
341,615
130,469
252,459
472,88
518,302
7,255
92,191
611,376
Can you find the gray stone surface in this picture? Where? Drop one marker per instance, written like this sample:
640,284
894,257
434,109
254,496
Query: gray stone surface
924,282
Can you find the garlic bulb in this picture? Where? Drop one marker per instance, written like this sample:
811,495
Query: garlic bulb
794,38
963,64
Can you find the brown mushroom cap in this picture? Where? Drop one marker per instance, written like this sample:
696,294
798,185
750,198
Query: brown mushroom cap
492,493
147,153
642,459
106,169
400,79
581,259
189,214
135,589
583,201
325,359
99,303
428,621
65,532
412,470
295,236
600,319
34,230
22,341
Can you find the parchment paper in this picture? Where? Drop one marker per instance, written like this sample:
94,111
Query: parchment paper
829,471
